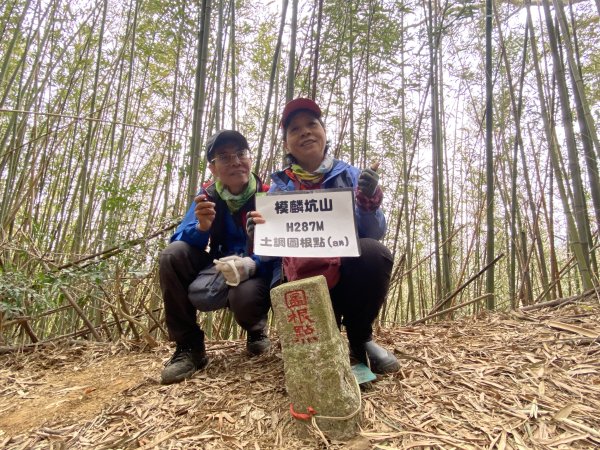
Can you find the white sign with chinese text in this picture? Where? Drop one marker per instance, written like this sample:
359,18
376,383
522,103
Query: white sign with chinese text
317,223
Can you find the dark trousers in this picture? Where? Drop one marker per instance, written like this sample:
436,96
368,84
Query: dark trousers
179,265
362,289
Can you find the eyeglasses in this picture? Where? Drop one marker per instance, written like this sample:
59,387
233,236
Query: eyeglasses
228,158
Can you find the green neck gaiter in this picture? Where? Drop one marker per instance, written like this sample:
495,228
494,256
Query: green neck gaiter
235,202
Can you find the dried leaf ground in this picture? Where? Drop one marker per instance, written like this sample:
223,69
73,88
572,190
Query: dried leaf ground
514,381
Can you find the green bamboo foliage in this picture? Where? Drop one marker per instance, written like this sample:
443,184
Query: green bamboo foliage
8,53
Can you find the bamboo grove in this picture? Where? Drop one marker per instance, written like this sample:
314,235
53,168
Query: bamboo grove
105,105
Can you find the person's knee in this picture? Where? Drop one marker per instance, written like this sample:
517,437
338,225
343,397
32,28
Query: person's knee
173,254
176,249
374,250
205,298
374,246
204,304
238,302
248,297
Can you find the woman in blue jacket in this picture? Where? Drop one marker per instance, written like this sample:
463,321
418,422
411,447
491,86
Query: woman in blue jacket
359,290
208,265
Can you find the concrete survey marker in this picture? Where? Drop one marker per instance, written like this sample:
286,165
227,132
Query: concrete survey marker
319,380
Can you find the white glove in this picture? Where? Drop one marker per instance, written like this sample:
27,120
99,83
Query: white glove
235,269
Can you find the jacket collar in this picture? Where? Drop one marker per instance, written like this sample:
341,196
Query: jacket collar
282,180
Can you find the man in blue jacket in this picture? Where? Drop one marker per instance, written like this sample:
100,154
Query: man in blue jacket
208,264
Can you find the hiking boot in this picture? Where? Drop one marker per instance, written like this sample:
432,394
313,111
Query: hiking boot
379,359
257,342
184,362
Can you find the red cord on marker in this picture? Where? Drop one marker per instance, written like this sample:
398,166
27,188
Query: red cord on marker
302,416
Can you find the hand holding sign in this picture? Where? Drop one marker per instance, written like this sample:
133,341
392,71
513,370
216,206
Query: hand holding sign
253,218
368,180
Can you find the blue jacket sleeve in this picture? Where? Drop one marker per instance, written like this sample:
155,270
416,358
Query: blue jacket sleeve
370,224
270,266
187,231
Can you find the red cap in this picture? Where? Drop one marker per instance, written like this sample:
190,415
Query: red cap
296,105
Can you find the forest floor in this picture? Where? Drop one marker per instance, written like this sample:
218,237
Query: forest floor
516,380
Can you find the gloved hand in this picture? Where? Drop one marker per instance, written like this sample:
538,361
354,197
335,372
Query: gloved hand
253,218
367,181
250,224
235,269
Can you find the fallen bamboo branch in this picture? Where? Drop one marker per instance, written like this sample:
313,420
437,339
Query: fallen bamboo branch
465,284
445,311
155,320
570,264
74,334
91,119
27,328
48,344
395,276
79,311
576,341
16,321
566,268
117,249
81,314
561,301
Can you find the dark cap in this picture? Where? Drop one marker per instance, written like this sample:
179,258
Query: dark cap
222,136
298,104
